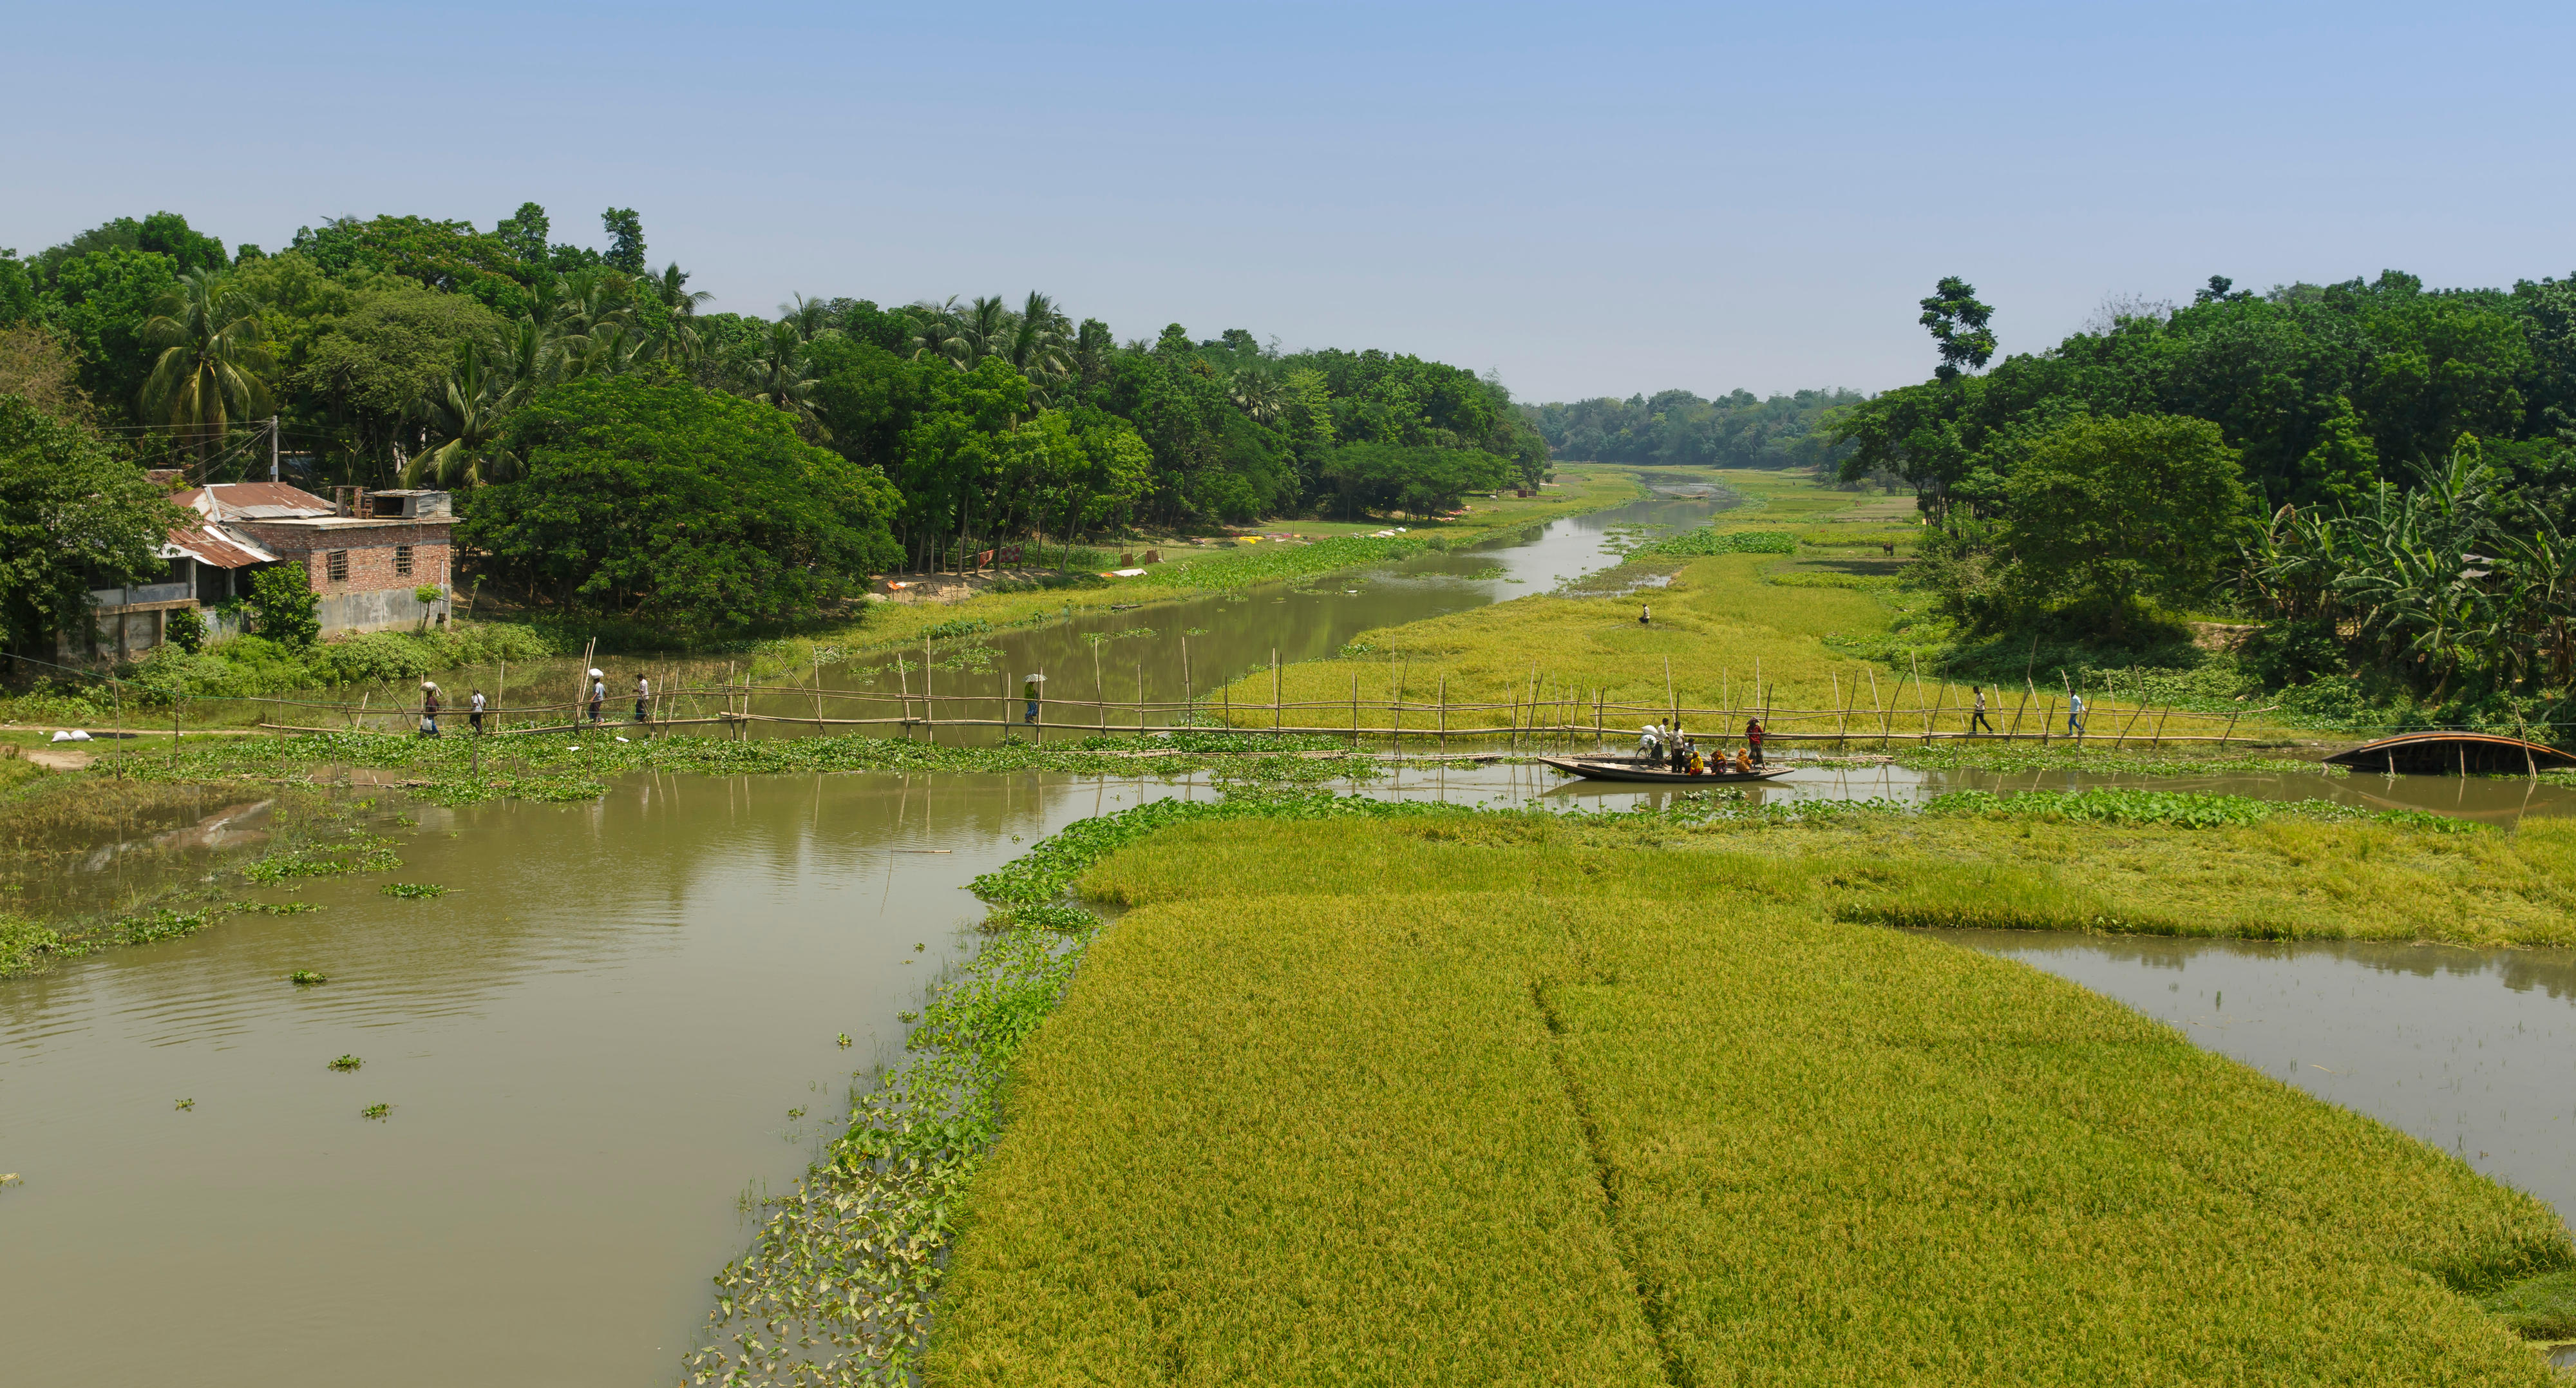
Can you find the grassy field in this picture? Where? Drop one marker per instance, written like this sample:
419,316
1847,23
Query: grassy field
1337,545
2282,877
1812,626
1499,1098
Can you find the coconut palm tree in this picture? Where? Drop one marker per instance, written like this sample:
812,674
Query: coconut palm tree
936,332
986,327
671,287
213,355
1035,345
776,375
467,413
1256,392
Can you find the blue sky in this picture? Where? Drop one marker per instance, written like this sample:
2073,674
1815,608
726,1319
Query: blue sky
1595,200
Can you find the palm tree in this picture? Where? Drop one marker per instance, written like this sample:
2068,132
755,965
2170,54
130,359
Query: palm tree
776,376
671,287
812,317
936,333
1256,392
986,327
212,354
469,410
1036,343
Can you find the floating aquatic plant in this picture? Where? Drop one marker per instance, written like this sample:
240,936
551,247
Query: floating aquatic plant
347,1062
184,1105
375,1110
413,891
306,978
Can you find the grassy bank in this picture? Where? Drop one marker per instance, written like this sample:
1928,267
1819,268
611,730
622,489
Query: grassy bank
1469,1097
1791,605
1334,546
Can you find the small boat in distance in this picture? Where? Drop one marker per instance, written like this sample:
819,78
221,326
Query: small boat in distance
1630,769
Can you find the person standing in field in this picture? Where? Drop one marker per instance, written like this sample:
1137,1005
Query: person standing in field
1753,739
598,693
1979,719
1645,614
2075,713
474,715
428,709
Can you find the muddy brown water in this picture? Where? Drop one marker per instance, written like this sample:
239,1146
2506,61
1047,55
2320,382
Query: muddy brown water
624,1019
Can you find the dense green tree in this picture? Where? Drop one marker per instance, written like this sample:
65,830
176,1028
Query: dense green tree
625,240
449,256
2108,516
677,505
1422,482
524,232
1959,324
376,366
99,303
469,416
73,516
17,290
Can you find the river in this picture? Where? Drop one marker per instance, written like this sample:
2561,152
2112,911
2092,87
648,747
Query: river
626,1019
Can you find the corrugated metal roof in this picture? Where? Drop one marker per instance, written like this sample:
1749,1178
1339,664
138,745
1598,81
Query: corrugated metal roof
209,545
254,501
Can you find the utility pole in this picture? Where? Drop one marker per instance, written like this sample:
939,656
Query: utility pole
272,448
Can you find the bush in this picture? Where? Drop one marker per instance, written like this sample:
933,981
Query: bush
2287,653
283,606
186,630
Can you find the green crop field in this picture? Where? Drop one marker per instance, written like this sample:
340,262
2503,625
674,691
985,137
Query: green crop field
1498,1099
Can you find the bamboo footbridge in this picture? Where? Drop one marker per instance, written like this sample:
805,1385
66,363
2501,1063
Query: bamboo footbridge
1540,719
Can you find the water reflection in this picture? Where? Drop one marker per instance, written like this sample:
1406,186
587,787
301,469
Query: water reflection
2471,1050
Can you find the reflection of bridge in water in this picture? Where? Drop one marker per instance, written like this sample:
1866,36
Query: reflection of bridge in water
2453,754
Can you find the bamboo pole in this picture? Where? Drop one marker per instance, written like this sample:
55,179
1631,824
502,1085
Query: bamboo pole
1839,724
1874,710
1444,715
1140,699
1274,689
1355,710
2026,693
1187,699
1100,688
929,710
2122,740
1918,693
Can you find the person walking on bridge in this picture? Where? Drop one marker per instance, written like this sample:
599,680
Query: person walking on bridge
1029,693
2075,713
1978,720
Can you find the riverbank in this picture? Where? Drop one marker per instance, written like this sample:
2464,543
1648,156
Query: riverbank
1419,954
1560,1109
1787,609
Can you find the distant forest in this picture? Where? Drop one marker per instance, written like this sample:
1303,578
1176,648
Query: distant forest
1678,427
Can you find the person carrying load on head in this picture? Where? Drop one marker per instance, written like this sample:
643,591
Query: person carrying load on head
598,693
428,709
1029,692
1650,744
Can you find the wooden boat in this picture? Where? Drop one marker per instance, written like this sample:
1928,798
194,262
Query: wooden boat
1630,769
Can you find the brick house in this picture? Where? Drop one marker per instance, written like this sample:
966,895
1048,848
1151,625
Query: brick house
366,554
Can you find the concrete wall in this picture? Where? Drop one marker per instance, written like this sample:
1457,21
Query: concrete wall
378,609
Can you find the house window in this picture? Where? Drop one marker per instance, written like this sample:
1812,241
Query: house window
336,564
402,561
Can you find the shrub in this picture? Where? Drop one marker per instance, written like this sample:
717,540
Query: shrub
283,606
186,630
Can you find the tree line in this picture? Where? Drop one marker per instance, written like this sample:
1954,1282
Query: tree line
2384,475
516,369
1678,428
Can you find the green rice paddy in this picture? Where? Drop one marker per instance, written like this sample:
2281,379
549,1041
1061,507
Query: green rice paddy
1474,1098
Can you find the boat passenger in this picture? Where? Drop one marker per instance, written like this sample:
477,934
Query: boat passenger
1743,764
